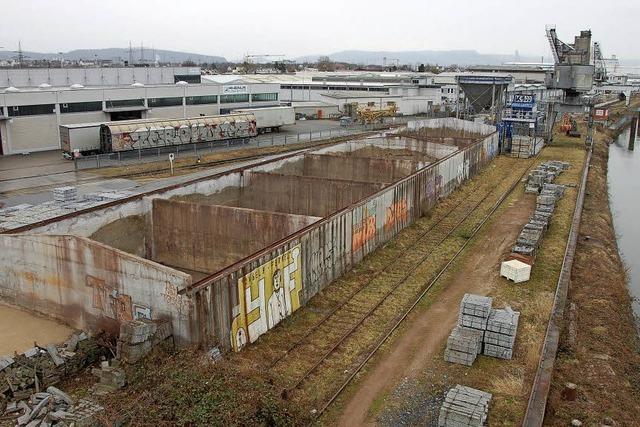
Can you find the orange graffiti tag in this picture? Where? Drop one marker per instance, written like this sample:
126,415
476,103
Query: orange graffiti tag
397,212
363,232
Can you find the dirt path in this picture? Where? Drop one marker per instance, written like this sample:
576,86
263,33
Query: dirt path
412,350
20,329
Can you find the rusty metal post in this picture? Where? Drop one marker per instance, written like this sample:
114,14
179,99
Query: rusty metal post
632,133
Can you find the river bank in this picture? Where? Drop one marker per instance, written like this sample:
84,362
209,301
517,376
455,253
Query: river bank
599,348
623,177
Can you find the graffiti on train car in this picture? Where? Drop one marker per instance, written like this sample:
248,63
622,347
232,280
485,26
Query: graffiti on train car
182,134
364,230
398,212
266,295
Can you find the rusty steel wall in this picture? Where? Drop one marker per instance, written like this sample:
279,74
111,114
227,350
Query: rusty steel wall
207,238
325,250
89,285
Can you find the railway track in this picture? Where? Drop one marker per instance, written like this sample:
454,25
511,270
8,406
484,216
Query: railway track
362,318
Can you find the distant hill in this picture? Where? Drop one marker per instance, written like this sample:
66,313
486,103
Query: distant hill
440,57
119,53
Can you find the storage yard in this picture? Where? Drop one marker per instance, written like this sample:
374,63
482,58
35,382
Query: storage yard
401,273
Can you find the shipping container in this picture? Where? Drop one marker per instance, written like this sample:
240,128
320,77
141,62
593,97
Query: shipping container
270,119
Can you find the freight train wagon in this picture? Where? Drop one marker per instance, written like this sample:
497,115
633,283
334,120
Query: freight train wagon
142,134
270,119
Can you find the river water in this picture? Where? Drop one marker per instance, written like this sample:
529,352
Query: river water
624,194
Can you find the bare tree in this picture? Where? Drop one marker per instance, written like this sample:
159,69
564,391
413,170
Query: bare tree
325,64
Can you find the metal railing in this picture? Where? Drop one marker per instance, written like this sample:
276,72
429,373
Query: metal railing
146,155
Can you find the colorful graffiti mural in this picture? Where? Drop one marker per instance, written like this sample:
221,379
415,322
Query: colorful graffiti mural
398,212
266,295
363,231
176,132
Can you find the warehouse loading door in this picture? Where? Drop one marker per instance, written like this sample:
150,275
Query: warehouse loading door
125,115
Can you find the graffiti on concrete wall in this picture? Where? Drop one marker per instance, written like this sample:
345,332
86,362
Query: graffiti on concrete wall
321,261
266,295
398,212
181,303
107,299
462,172
365,229
434,187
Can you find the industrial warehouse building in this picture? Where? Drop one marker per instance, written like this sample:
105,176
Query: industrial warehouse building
410,92
34,102
37,101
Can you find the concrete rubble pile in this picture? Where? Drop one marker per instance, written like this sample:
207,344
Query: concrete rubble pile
40,367
138,337
464,406
111,377
481,329
465,341
24,376
65,202
500,336
540,182
52,407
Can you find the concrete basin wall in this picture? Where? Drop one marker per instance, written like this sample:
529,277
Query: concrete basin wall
207,238
89,285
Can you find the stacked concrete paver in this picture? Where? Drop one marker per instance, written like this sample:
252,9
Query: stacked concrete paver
500,336
463,346
65,194
138,337
464,407
540,182
481,330
465,341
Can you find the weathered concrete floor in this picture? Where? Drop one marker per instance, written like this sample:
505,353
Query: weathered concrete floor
19,329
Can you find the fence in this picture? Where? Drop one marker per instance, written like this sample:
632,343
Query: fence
230,305
140,156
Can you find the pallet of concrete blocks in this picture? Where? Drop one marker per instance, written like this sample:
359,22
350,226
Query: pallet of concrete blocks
65,194
474,311
515,270
500,336
463,345
464,407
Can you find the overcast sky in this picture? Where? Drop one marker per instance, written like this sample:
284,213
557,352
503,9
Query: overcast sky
301,27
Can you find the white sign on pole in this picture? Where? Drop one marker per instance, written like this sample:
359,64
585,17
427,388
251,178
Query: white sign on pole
171,157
